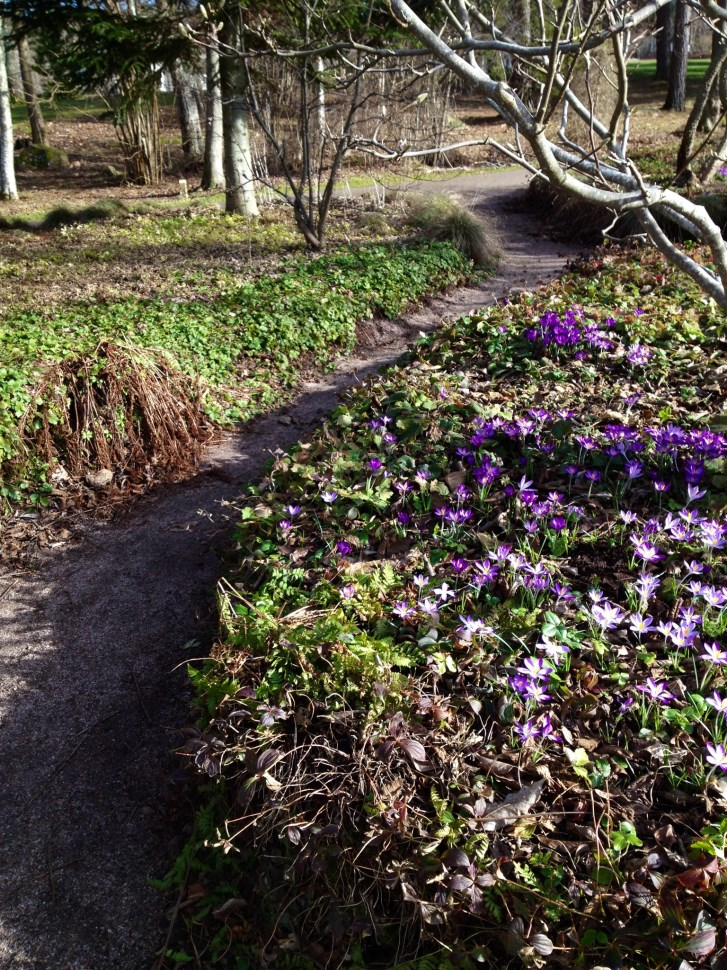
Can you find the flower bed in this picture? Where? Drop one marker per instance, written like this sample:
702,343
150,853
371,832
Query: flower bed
470,701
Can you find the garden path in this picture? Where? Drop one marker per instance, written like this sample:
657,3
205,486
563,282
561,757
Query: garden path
91,691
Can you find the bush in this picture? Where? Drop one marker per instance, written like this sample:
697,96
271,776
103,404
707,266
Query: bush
41,158
577,220
444,219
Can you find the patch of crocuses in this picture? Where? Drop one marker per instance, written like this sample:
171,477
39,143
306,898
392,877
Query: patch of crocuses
528,525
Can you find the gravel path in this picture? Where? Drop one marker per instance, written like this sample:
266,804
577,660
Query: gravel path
90,690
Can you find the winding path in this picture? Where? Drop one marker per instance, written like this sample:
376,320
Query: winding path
91,692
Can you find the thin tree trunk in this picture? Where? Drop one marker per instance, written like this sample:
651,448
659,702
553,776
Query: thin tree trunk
188,113
12,64
8,189
213,175
30,94
677,95
239,190
713,107
522,21
701,103
664,16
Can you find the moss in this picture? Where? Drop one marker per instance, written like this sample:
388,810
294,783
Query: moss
41,158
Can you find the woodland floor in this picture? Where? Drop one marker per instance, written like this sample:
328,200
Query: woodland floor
92,654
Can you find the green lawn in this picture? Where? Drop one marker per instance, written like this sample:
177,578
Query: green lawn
646,69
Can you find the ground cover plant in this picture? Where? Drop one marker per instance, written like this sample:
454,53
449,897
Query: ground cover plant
232,345
469,703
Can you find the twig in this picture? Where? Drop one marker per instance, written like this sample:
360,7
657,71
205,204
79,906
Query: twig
59,768
139,694
46,874
159,962
8,588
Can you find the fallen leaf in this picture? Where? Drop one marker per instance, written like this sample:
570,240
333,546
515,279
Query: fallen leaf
513,807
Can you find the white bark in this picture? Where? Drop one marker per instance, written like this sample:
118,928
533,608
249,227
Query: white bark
213,176
617,186
8,188
239,176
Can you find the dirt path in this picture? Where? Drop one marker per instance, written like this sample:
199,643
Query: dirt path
89,696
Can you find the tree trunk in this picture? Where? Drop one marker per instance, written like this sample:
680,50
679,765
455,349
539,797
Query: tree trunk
239,190
213,175
522,21
8,189
677,95
188,113
664,18
12,64
137,127
713,107
710,87
30,94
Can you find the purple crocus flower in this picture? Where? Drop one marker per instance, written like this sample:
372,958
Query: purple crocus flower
608,616
717,702
536,692
717,756
715,654
402,609
645,550
535,668
634,468
641,624
527,731
656,690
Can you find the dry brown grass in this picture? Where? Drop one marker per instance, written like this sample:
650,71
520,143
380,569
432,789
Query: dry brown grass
120,409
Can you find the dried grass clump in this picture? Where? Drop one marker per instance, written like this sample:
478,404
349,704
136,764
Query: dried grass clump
574,219
566,217
122,409
444,219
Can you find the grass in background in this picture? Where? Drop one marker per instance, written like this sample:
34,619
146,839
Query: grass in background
646,69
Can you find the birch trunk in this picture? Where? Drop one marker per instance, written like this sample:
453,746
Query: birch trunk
239,191
8,189
30,94
213,175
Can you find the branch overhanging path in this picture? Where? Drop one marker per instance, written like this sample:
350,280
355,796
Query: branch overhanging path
90,700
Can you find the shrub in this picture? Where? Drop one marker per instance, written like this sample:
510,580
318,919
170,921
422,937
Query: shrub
41,157
117,408
444,219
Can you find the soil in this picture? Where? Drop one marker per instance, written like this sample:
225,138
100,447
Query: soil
93,647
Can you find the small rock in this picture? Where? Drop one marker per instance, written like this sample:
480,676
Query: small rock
286,419
100,479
